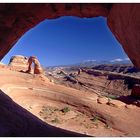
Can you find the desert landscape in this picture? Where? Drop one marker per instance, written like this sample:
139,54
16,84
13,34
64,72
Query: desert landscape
73,106
79,100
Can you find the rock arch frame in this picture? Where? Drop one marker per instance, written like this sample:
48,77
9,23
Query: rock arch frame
16,19
122,19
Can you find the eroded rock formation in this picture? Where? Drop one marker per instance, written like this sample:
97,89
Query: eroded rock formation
37,66
106,82
19,61
123,20
23,63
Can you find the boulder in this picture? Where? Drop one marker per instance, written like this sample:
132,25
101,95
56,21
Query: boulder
102,100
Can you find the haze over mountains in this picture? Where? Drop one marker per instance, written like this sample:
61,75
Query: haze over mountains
97,62
93,62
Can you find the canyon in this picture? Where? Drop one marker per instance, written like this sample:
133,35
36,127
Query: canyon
108,79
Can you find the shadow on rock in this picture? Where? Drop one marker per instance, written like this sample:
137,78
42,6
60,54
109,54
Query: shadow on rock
15,121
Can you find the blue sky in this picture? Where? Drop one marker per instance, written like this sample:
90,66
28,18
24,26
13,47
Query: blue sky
68,40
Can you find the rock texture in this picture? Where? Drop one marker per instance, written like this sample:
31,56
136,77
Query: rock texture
116,103
19,61
102,100
119,68
18,122
37,66
103,82
30,92
124,22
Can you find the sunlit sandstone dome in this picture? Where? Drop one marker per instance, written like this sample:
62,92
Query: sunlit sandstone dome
23,63
19,60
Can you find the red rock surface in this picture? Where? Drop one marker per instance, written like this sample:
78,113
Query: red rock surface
16,121
124,22
32,93
102,100
18,61
37,65
116,103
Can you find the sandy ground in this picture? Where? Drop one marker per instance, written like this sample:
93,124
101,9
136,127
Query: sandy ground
69,108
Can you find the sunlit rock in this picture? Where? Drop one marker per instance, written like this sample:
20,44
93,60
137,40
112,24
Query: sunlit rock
37,66
18,62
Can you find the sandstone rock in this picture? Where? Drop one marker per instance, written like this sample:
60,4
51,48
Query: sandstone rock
116,103
124,23
18,122
79,71
71,79
42,78
19,62
68,115
37,66
51,80
62,72
102,100
130,106
136,91
111,87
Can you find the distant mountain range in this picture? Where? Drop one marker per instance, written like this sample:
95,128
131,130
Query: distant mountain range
91,63
117,65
